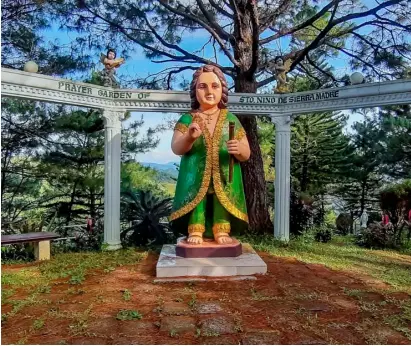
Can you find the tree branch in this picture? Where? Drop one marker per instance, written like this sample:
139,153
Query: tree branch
256,38
266,81
186,54
220,9
300,26
219,30
271,17
176,72
321,70
205,26
314,44
355,57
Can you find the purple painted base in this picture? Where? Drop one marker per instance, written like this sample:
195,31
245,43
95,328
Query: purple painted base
209,248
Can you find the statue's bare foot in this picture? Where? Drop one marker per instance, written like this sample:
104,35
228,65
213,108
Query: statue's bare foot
223,238
195,239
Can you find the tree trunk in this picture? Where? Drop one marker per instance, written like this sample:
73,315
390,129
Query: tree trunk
253,169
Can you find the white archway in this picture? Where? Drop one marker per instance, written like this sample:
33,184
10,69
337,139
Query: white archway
115,102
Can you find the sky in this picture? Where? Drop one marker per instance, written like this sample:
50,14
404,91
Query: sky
138,65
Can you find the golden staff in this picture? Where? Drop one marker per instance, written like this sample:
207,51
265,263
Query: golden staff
231,126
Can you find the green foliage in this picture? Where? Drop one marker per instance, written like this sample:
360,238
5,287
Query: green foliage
343,223
377,236
359,188
127,315
135,176
396,124
322,234
127,295
146,213
396,201
38,324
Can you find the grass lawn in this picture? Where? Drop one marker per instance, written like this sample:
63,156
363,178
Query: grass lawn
392,267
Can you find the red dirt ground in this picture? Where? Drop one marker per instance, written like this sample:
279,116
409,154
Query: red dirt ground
295,303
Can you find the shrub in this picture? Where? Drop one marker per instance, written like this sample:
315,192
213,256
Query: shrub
90,238
145,212
377,236
343,223
323,235
300,213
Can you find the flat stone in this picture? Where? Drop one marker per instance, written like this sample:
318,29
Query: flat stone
216,325
178,324
399,295
134,328
315,305
345,304
171,265
176,308
88,341
218,340
262,338
301,338
199,279
208,308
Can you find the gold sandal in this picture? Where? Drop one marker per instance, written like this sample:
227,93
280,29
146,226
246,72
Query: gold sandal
196,230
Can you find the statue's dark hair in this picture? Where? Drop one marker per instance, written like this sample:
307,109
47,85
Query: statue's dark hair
209,68
278,57
111,50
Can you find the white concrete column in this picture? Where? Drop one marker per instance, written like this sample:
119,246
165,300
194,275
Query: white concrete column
282,177
112,161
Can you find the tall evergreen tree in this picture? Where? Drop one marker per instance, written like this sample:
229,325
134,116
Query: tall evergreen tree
396,125
74,165
359,188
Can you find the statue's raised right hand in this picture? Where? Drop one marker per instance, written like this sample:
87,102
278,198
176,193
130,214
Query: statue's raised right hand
194,130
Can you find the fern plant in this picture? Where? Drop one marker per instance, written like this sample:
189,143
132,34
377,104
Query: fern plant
145,212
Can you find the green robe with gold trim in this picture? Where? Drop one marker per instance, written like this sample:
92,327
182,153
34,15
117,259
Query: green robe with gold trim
204,168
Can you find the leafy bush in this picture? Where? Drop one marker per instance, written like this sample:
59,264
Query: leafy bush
300,213
145,213
322,234
17,253
343,223
377,236
90,238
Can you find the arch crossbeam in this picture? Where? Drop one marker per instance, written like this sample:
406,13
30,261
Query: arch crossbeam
45,88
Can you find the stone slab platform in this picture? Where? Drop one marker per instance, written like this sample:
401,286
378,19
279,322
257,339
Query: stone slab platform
171,265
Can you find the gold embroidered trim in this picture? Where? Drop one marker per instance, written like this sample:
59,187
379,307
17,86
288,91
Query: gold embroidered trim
221,228
181,127
218,186
204,183
196,228
240,134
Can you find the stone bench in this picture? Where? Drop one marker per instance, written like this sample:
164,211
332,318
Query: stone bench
40,240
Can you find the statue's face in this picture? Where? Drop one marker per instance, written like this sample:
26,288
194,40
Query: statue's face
111,55
280,61
208,90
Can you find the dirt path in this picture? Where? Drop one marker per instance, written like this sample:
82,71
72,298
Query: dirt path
295,303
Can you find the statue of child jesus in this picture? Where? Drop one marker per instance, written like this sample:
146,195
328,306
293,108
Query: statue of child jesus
205,201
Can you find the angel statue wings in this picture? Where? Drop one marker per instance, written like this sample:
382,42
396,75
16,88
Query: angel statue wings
281,69
110,65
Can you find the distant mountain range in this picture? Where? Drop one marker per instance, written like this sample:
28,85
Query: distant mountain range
168,169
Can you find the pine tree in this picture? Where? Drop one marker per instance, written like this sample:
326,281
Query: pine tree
362,180
396,125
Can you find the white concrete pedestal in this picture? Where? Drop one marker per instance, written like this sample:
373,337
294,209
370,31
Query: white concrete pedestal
170,265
